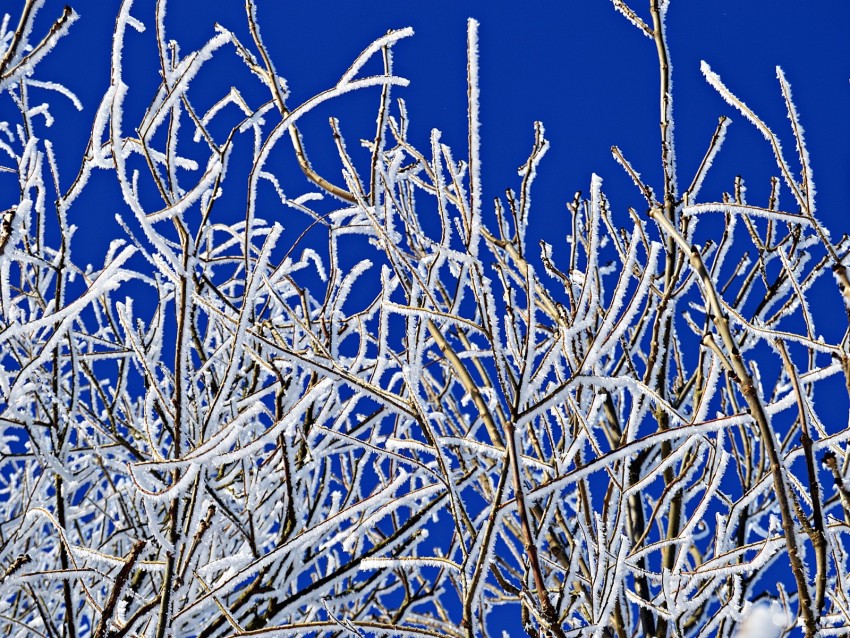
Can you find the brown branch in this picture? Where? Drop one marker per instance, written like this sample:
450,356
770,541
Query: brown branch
101,630
816,532
747,387
203,526
294,134
27,15
19,562
547,610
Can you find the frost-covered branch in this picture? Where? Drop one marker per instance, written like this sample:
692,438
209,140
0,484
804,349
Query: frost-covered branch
289,406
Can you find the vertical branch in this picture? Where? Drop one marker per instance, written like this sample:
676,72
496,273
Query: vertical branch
658,361
60,425
473,126
547,610
380,133
183,301
101,630
745,383
668,152
816,531
487,539
294,134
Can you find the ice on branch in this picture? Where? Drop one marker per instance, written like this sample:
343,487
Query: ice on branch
309,386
